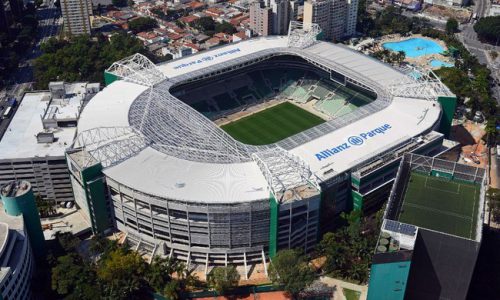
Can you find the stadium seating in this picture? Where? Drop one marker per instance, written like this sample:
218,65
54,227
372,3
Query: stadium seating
260,85
226,102
297,85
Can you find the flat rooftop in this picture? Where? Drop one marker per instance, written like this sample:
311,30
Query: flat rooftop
20,139
441,204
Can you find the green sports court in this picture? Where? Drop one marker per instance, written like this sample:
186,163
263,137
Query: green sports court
272,124
441,204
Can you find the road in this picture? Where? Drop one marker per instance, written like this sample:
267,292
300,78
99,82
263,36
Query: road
49,24
469,38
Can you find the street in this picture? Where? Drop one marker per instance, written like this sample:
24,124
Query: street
469,38
49,24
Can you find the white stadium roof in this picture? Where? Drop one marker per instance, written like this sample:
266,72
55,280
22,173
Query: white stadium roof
166,172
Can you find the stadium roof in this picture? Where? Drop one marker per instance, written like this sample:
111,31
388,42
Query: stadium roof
176,155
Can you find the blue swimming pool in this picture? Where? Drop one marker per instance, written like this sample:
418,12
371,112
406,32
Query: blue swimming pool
414,47
437,64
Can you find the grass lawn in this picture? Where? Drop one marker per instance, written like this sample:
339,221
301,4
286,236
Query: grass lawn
350,294
441,204
272,125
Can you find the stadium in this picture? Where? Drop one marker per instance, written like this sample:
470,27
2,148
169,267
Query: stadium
229,155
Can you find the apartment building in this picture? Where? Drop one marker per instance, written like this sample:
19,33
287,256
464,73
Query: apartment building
76,16
337,18
261,21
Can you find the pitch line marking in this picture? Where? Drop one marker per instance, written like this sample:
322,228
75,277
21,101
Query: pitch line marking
438,211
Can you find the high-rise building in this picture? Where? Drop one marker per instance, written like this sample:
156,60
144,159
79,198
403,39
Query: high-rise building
261,18
280,15
352,17
270,17
337,18
76,16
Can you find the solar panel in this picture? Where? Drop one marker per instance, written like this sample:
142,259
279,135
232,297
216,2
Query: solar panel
402,228
391,225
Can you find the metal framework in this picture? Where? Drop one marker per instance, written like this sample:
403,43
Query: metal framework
138,69
110,145
420,84
302,35
283,170
176,129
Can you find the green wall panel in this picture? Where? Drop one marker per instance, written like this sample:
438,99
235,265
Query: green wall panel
95,192
357,200
109,78
448,104
273,226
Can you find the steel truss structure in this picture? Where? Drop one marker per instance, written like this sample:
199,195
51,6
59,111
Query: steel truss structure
283,170
178,130
138,69
419,84
110,145
302,35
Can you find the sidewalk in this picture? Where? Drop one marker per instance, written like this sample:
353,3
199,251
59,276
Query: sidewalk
339,285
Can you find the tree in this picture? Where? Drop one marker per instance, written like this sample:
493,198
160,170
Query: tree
221,279
488,29
119,3
289,269
205,24
45,207
160,272
172,290
142,24
451,26
122,273
72,278
225,27
349,249
494,201
67,241
82,59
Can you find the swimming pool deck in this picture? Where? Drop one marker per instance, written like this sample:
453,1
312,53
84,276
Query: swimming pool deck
422,60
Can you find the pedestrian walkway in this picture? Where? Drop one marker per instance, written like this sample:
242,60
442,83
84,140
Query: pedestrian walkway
340,285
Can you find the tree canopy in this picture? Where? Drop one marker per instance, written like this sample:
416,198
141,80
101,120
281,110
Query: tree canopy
16,41
225,27
221,279
119,3
123,273
290,269
348,250
488,29
113,271
451,26
205,24
75,279
387,21
82,59
142,24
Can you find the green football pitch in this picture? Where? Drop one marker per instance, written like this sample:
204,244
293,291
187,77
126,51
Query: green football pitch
272,125
441,204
